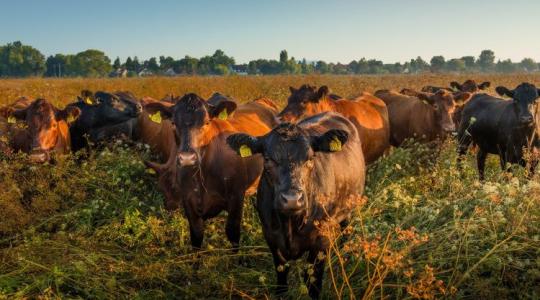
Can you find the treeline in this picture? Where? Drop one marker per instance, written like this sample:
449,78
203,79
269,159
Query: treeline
18,60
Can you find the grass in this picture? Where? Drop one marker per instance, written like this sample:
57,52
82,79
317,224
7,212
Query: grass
96,228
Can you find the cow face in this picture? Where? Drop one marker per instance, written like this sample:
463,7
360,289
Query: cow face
109,109
470,86
305,101
288,153
192,118
525,99
44,124
444,104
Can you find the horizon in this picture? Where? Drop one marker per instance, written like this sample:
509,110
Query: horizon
390,32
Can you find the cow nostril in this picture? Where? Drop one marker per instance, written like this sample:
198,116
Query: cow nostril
187,158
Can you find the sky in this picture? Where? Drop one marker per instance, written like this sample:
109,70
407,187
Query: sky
334,31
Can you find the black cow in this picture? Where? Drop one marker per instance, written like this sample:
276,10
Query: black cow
100,111
313,172
501,127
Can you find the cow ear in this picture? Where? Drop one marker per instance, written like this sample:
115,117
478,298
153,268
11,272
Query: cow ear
19,114
321,93
503,91
222,110
484,85
462,97
331,141
455,85
157,111
87,97
244,145
68,114
292,90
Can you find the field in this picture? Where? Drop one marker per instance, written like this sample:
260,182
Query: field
96,228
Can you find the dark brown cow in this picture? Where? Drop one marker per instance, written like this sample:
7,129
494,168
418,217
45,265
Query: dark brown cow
367,112
203,174
314,174
40,128
419,115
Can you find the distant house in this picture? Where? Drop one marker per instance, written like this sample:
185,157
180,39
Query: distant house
170,72
240,69
120,72
145,73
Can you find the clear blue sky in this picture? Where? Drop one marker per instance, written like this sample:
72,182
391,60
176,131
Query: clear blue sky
339,30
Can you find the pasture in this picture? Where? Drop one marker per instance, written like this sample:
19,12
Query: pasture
96,227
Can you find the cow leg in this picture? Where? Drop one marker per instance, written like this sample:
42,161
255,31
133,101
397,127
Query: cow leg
481,162
234,220
196,231
282,270
314,281
464,143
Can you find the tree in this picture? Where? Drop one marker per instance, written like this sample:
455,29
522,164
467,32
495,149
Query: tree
59,66
486,60
136,65
506,66
322,67
470,62
456,65
437,63
151,65
92,63
188,65
129,64
307,68
117,64
283,57
529,65
166,63
20,60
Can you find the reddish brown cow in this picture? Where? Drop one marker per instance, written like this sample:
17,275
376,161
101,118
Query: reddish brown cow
204,175
39,128
419,115
367,112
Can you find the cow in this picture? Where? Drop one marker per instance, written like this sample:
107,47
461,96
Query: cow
5,124
314,172
420,115
367,112
502,127
469,86
203,175
100,112
39,128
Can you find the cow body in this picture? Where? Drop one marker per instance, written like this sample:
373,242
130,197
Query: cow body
368,113
203,175
501,127
300,193
412,118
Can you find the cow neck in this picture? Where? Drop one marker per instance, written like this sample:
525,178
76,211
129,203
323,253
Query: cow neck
62,141
330,105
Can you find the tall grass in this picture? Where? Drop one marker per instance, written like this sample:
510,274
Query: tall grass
96,227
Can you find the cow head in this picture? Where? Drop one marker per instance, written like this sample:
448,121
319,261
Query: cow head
443,103
192,118
525,99
470,86
303,102
44,124
288,153
104,109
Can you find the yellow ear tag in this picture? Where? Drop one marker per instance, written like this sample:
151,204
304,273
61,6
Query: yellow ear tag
70,119
88,101
223,115
11,120
245,151
151,171
335,145
156,117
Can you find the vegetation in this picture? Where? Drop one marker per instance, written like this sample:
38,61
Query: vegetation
96,227
17,60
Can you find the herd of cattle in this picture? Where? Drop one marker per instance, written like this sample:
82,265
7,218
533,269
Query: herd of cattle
305,163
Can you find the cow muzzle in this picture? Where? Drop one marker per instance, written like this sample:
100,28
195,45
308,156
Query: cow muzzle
186,159
526,120
291,202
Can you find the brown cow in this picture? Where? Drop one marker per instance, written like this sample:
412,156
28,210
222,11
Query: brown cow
39,128
367,112
204,175
424,116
